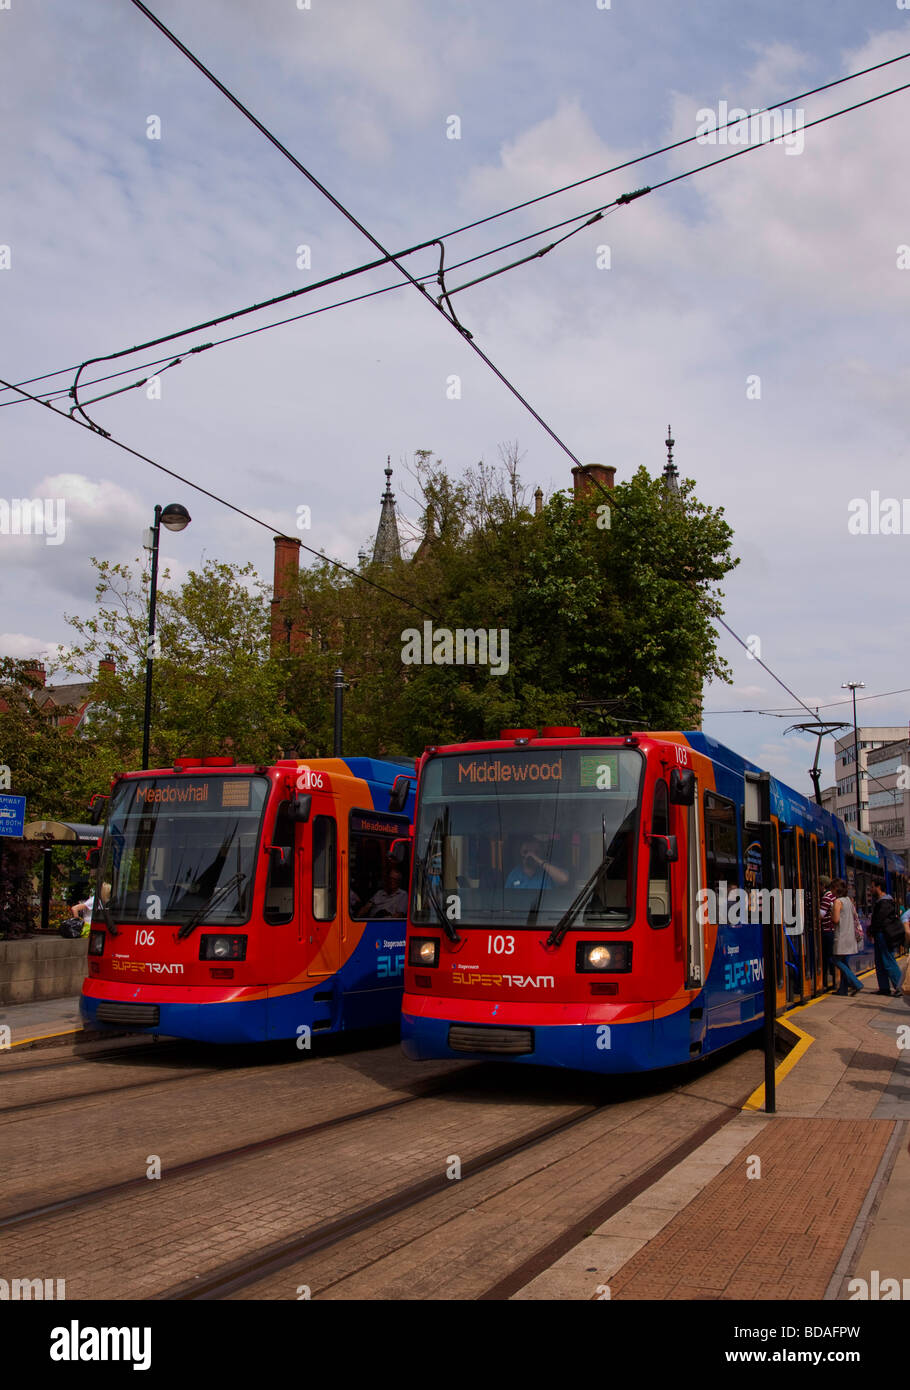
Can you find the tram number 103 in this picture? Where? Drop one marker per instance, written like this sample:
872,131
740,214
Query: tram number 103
501,945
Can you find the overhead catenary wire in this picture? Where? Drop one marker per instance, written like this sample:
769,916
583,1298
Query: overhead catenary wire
389,258
675,145
447,313
585,220
782,712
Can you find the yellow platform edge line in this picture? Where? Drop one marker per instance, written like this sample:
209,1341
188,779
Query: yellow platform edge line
40,1037
804,1041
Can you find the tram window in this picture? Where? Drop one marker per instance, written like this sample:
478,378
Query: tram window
659,872
721,853
279,888
377,885
324,868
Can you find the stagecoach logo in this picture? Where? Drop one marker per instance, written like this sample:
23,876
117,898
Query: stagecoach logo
156,967
497,981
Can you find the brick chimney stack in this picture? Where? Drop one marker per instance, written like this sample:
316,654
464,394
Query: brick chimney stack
35,670
583,479
108,664
284,639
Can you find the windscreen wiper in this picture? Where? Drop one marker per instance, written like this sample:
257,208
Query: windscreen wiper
107,915
216,897
448,926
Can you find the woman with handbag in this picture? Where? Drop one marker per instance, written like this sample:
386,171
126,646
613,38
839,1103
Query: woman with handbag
847,937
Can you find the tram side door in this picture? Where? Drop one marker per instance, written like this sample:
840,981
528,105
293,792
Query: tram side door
320,919
695,930
799,924
812,908
761,855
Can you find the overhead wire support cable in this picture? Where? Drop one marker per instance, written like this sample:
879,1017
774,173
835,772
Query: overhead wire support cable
215,497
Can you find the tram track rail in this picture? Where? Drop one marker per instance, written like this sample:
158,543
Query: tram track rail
112,1054
260,1265
272,1258
77,1201
30,1106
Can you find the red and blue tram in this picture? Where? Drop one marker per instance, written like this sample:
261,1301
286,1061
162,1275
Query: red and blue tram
240,904
597,903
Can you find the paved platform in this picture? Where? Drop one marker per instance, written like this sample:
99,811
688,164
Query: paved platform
802,1204
49,1018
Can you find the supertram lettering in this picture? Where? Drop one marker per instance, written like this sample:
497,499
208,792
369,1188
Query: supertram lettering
460,977
156,967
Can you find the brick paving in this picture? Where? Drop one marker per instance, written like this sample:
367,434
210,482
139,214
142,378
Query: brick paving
777,1236
709,1231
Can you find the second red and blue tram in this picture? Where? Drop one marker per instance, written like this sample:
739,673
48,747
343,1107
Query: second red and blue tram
240,904
598,903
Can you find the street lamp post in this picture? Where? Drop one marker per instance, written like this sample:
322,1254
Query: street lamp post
175,518
854,686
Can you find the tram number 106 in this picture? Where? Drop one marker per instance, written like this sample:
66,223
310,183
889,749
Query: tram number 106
501,945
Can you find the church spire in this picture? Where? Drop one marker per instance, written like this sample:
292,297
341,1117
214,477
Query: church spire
388,544
671,473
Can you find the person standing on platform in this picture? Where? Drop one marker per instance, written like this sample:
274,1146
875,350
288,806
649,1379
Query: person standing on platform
827,903
887,934
846,937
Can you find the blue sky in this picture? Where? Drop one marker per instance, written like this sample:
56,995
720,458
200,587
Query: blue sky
777,266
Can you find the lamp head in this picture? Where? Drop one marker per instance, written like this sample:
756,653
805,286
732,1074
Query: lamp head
175,517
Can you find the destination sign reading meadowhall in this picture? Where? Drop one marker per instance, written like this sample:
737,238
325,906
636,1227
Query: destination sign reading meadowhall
217,793
560,771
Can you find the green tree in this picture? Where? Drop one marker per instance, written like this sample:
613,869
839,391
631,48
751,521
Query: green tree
216,689
609,626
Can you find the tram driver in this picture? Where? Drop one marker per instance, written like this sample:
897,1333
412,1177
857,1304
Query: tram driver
534,871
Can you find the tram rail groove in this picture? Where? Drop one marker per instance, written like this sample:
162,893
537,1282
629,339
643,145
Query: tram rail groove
100,1194
272,1258
142,1049
554,1250
103,1091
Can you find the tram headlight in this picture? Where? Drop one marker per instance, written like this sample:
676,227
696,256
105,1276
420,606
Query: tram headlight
222,948
96,943
603,958
423,950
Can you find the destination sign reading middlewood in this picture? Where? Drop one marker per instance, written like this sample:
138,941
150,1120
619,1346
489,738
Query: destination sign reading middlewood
538,772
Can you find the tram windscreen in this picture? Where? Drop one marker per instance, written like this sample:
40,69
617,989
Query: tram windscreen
178,846
512,838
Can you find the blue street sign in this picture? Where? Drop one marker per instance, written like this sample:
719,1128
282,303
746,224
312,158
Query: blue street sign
12,815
